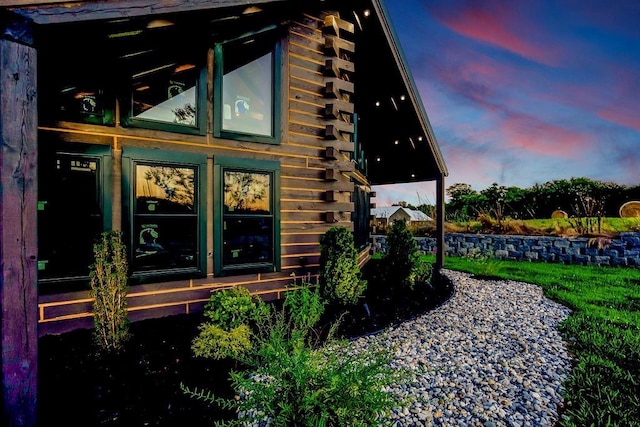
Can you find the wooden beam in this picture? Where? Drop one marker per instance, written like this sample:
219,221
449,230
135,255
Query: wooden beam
116,9
440,242
18,239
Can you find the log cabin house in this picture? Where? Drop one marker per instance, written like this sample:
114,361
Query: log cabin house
222,137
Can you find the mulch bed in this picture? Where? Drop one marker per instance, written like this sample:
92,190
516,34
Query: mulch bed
141,385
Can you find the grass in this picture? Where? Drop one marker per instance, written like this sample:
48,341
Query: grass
603,332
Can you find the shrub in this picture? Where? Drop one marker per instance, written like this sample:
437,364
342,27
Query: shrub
339,272
227,333
216,343
304,306
402,257
109,287
291,383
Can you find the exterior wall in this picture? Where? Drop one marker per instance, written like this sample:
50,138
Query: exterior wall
315,169
400,215
622,251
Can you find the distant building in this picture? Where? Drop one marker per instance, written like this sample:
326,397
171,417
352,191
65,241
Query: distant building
387,215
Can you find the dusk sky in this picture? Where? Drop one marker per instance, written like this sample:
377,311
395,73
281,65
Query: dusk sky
523,92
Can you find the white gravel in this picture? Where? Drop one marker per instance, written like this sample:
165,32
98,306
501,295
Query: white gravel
490,356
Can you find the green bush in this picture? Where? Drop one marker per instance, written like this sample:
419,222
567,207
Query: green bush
109,287
227,333
402,258
216,343
339,272
304,306
291,383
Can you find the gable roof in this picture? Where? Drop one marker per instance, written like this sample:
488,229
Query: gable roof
388,211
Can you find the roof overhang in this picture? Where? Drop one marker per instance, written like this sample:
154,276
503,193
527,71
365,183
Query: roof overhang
393,129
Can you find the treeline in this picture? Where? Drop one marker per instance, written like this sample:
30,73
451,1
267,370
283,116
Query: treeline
578,197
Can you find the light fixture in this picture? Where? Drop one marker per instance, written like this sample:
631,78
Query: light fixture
396,142
402,97
378,159
366,13
251,9
413,175
159,23
377,103
420,138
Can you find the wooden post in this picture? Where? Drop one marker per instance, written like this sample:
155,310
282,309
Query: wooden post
440,242
18,237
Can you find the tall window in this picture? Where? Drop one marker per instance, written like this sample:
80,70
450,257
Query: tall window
72,212
247,223
165,212
246,98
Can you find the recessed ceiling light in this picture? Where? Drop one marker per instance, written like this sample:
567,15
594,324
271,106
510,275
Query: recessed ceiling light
420,138
366,13
378,159
396,142
402,97
377,103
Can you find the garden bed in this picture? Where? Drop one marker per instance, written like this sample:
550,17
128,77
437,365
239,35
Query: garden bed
141,386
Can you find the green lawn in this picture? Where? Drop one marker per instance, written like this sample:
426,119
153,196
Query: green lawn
603,332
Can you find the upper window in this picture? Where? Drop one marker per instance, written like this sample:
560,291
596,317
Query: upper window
246,98
166,220
247,224
167,96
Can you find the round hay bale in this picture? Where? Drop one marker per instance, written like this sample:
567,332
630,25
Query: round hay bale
559,214
630,210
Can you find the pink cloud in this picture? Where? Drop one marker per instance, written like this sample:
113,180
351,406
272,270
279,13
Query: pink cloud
536,136
491,26
626,118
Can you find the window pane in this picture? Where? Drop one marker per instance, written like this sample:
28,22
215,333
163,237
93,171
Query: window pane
165,189
166,93
247,192
164,242
69,217
247,91
247,240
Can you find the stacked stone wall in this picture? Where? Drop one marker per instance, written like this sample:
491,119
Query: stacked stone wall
623,250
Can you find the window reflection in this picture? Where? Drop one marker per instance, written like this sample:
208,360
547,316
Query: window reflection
248,220
165,224
166,94
247,90
247,192
164,189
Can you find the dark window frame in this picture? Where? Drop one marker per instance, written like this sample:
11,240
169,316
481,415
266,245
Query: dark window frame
276,91
131,157
103,154
222,164
201,114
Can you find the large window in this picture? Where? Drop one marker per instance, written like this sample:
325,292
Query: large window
72,212
162,194
247,215
246,96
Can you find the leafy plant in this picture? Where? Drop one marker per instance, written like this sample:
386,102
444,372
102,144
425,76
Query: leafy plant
339,272
216,343
109,287
292,383
402,256
227,333
304,306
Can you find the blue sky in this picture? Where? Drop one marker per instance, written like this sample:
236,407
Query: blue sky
522,92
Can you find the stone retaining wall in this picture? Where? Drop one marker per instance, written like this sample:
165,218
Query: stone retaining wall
621,251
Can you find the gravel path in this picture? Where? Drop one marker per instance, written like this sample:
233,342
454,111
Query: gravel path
491,356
